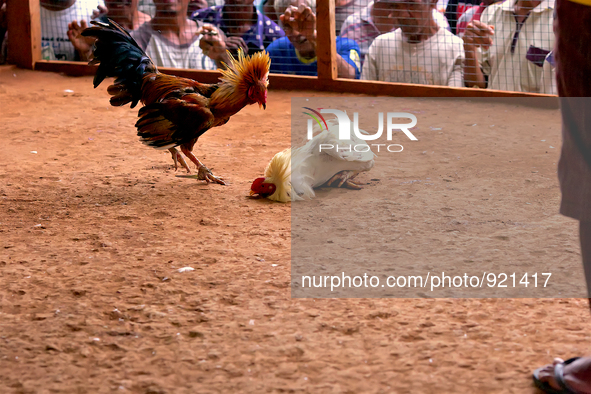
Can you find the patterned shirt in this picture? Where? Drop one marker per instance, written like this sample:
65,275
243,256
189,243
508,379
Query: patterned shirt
258,37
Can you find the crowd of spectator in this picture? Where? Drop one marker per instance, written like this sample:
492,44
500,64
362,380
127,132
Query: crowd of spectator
504,45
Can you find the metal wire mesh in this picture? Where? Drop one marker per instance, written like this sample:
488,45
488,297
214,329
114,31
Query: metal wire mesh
462,43
502,45
56,15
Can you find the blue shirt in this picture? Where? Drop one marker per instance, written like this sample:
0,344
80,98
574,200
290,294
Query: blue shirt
285,60
258,37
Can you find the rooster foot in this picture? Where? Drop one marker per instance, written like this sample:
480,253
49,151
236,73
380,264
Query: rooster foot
205,174
178,158
344,179
352,185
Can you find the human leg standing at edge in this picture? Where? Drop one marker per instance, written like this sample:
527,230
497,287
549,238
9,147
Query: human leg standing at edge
573,73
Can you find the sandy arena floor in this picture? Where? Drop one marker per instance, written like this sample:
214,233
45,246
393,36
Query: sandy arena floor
94,226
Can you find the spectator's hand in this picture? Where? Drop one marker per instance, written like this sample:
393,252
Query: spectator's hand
82,44
299,23
100,11
213,43
478,34
235,42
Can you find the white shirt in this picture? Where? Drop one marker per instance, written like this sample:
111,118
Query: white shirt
361,28
167,54
441,19
513,71
55,44
436,61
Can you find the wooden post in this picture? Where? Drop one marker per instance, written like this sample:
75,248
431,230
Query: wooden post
24,32
326,46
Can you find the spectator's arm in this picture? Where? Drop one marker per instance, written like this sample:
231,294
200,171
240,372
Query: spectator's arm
213,44
473,75
348,59
455,79
477,34
345,69
456,75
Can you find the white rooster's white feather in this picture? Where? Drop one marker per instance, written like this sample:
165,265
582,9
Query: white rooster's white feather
278,172
310,168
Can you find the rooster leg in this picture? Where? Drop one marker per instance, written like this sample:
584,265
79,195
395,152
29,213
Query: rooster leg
344,178
204,172
177,157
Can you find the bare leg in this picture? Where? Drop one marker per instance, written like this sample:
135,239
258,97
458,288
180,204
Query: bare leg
345,178
178,158
571,28
204,172
576,375
585,238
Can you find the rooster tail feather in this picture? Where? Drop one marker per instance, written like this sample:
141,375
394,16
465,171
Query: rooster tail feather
118,55
154,129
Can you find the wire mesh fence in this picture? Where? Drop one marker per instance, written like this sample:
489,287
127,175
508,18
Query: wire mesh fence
505,45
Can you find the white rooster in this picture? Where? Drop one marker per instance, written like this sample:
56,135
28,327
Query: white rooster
293,173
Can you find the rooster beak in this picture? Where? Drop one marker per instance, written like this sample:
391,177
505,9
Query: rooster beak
252,193
263,105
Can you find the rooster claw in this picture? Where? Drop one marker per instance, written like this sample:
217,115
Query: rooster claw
177,158
352,185
204,174
344,179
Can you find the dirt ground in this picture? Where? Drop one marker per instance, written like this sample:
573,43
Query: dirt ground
94,227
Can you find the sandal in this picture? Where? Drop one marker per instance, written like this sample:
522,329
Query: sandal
558,376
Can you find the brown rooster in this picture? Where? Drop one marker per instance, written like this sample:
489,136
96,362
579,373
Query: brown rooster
177,111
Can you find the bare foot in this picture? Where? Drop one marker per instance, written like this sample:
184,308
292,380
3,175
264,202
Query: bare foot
576,376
